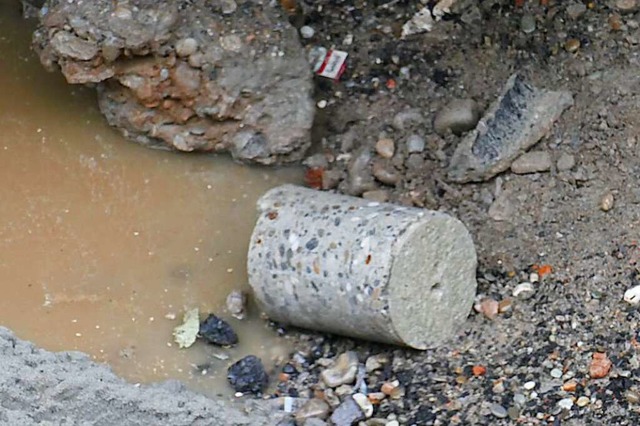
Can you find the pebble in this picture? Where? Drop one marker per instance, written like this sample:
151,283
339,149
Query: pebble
532,162
566,403
458,116
343,371
498,410
519,399
632,396
606,203
576,10
415,144
572,45
228,7
488,307
313,408
186,46
248,375
385,148
529,385
384,174
523,291
407,118
236,302
527,24
376,362
306,31
365,405
583,401
556,373
502,208
566,162
627,6
217,331
347,413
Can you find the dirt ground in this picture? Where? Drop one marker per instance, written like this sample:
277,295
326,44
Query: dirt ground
552,218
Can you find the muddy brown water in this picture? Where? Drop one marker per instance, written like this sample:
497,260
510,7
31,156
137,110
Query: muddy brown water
102,241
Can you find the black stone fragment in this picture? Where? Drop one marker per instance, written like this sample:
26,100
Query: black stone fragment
217,331
248,375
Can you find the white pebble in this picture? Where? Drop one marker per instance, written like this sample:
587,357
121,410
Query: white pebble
365,405
523,290
565,403
632,295
530,385
307,32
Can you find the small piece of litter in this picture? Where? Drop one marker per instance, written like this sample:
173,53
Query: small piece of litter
288,404
185,334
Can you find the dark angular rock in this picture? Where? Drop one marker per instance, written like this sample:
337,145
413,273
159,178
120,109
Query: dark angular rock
217,331
347,413
515,122
248,375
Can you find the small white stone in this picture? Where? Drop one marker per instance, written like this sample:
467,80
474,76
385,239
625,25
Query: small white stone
307,32
365,405
606,203
632,295
556,373
534,277
322,104
186,46
530,385
565,403
523,290
583,401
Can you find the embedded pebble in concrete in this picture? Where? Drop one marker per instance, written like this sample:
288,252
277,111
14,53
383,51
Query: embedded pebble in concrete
186,46
364,269
458,116
343,371
532,162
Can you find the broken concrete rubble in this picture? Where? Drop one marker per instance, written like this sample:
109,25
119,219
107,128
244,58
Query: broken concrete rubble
515,122
188,76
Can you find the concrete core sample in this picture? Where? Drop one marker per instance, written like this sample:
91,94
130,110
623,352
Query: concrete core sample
369,270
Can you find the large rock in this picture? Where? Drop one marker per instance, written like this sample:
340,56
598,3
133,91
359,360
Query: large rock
188,75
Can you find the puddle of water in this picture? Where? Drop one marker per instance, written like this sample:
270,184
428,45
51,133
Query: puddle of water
101,239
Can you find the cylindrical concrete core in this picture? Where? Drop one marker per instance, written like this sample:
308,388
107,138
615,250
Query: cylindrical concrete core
369,270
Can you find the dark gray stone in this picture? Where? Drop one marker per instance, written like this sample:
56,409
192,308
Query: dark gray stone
347,413
516,121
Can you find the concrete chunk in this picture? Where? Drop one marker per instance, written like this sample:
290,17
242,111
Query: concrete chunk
515,122
369,270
